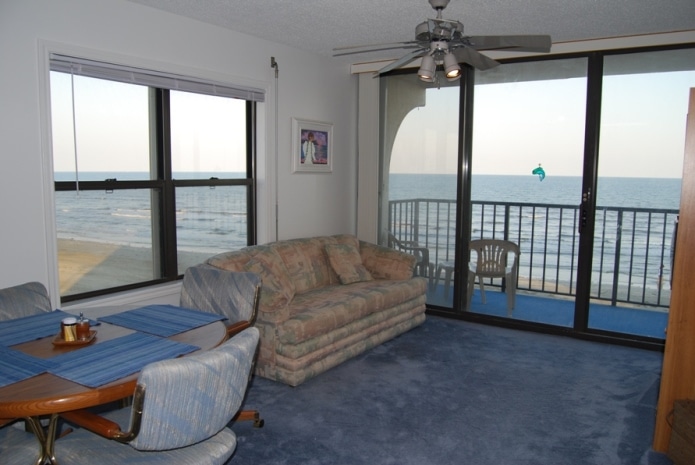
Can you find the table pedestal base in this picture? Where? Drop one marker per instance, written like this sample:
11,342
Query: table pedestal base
46,438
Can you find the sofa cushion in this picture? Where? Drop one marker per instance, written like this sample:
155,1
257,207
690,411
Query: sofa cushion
346,262
323,310
277,289
306,263
343,336
347,239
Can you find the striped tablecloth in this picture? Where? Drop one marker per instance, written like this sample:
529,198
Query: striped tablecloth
161,320
110,360
30,328
16,366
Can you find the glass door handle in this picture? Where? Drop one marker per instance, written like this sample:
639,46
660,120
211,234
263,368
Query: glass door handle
583,219
583,212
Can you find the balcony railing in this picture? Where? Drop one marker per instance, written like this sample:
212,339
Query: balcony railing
632,246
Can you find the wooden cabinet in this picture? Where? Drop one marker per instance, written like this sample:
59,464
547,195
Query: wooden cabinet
678,373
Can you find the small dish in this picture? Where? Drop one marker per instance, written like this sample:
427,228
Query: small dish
59,341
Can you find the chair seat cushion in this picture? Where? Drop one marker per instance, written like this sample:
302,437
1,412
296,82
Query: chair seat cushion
82,447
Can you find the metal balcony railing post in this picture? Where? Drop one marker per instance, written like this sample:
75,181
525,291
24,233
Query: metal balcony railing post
616,262
506,238
506,221
416,221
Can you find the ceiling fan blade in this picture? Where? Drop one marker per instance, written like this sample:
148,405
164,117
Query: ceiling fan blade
522,43
474,58
386,44
355,50
405,59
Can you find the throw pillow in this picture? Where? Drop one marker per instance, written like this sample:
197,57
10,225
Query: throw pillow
346,262
385,263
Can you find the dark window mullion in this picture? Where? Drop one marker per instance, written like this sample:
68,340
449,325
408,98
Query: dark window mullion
211,182
589,181
167,200
251,173
64,186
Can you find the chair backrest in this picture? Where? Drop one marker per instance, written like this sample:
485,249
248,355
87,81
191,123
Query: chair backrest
422,254
233,294
190,399
23,300
393,241
493,256
398,244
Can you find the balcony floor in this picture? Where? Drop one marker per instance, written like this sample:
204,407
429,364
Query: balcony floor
559,311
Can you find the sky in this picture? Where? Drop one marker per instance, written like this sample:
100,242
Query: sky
111,128
642,133
518,126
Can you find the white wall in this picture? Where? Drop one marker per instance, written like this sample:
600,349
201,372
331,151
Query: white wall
309,87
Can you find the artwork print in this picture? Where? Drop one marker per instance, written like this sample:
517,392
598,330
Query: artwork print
312,151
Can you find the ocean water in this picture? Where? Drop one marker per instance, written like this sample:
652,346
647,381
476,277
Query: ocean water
563,190
215,219
208,220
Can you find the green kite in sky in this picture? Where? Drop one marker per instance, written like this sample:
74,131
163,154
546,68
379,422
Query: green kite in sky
540,172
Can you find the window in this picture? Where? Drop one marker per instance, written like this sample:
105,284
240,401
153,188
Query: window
149,180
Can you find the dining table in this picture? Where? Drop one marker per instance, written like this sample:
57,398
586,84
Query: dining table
42,375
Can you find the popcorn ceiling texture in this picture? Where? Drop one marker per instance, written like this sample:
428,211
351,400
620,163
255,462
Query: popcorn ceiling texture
318,26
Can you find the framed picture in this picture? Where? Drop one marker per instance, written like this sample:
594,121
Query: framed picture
312,146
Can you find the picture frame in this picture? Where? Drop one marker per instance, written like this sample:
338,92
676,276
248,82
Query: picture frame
315,137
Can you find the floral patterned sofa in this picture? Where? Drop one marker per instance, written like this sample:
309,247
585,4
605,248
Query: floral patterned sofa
325,300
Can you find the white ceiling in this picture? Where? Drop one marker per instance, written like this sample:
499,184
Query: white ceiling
318,26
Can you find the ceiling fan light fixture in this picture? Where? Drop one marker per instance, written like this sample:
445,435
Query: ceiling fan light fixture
452,70
427,69
438,37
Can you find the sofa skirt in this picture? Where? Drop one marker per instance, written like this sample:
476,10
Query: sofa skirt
294,365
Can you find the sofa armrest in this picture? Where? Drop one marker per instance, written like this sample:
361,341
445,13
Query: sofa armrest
386,263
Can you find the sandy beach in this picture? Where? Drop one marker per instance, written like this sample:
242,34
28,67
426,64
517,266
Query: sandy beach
89,265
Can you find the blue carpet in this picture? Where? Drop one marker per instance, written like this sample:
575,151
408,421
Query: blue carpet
559,311
455,392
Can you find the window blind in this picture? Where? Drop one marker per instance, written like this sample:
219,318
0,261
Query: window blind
151,78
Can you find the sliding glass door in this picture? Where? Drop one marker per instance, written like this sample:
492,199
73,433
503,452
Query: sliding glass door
420,129
528,140
576,161
643,109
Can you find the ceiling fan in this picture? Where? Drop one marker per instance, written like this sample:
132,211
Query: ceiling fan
441,43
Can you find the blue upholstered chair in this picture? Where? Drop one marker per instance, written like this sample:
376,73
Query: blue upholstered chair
229,293
17,446
232,294
23,300
15,302
179,414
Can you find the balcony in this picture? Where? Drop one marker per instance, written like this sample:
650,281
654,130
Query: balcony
631,271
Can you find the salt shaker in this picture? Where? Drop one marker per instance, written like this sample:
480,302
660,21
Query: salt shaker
68,328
